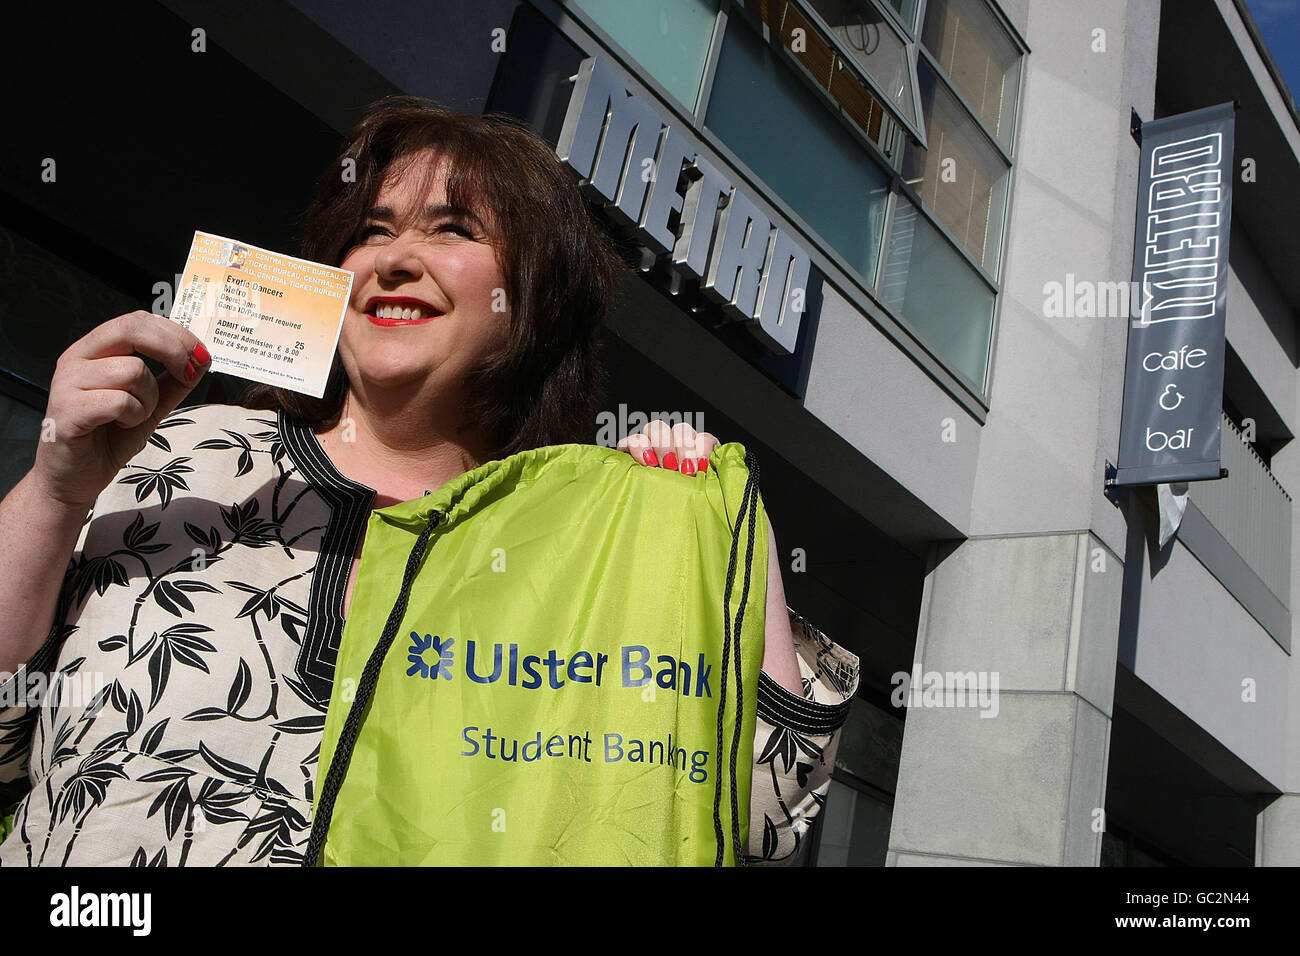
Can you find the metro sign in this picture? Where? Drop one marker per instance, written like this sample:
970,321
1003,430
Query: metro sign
632,161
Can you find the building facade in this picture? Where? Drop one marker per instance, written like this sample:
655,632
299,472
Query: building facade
884,243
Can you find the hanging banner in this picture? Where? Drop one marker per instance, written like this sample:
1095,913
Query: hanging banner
1173,380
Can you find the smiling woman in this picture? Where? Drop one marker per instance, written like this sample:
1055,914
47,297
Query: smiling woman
209,583
485,202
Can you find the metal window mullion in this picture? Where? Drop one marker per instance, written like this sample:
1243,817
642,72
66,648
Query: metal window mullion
886,10
890,201
563,12
1014,138
914,51
711,63
1007,26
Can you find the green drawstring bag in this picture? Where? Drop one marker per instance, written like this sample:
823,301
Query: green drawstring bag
552,660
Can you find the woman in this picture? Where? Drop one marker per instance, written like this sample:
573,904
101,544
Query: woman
209,586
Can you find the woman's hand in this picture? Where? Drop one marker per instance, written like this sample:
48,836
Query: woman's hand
105,403
689,451
679,448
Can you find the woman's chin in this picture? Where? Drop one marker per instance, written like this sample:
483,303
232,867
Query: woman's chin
395,377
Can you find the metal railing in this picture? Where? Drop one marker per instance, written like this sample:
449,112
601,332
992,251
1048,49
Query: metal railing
1251,510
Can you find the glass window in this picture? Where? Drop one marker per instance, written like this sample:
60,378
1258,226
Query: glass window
961,179
975,53
938,293
669,38
854,829
783,132
807,39
875,47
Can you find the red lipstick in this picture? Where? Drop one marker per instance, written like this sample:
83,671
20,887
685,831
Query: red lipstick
427,312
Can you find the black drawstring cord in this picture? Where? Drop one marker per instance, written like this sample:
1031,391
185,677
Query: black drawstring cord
365,690
752,463
722,688
748,501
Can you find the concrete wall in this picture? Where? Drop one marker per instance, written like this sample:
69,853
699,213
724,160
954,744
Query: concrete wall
1056,382
1195,645
1021,783
881,402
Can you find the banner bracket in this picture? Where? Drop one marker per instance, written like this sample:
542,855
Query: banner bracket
1111,490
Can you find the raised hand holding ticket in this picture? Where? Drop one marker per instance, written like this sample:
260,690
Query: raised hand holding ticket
264,316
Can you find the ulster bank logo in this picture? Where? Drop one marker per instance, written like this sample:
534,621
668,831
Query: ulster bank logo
630,666
430,656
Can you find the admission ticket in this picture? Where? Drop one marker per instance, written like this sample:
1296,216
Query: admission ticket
263,316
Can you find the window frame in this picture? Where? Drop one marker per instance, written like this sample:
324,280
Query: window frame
992,278
911,45
993,281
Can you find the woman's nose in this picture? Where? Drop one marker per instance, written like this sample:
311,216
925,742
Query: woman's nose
398,259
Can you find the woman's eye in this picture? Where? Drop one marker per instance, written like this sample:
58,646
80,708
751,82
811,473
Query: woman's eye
368,233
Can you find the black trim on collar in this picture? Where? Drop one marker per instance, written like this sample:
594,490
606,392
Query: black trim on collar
350,504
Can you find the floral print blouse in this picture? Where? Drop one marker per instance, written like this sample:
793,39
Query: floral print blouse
174,714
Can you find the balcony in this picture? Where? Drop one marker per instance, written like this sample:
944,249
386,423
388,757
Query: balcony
1251,512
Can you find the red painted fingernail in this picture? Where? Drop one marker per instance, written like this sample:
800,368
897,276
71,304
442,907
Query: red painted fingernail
190,372
650,458
688,466
670,461
202,354
704,464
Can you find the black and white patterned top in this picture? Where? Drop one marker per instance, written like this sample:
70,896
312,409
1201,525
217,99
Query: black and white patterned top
174,715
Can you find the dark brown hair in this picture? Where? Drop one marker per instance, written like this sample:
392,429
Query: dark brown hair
545,384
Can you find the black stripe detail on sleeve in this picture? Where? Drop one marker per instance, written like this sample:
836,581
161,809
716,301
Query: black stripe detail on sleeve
782,708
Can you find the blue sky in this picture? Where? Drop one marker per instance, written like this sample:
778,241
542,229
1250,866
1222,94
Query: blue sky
1279,21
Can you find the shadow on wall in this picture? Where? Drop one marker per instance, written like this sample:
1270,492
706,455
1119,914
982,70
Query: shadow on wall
1139,508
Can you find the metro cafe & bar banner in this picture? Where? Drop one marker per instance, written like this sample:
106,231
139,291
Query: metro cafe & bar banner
1173,380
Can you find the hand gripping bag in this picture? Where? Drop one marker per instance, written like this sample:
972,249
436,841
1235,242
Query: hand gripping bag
552,660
